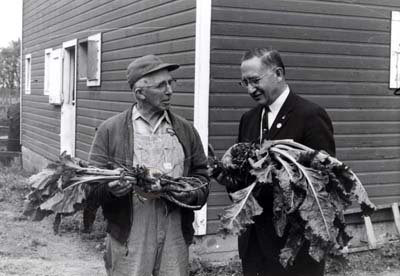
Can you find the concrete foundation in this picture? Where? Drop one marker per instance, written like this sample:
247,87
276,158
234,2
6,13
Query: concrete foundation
214,249
384,233
31,161
217,250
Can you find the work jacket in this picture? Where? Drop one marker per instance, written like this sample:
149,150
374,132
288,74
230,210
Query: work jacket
113,144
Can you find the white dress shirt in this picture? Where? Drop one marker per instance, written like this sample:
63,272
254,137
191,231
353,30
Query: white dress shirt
276,106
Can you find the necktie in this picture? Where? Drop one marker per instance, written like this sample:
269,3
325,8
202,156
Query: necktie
264,124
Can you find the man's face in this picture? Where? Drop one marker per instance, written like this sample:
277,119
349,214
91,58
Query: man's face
262,82
156,89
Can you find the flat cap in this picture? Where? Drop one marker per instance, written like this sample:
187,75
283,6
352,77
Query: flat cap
146,65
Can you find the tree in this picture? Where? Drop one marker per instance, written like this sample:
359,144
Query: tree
10,65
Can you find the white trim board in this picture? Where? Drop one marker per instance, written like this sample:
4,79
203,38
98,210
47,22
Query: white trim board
68,107
70,43
202,89
394,73
21,58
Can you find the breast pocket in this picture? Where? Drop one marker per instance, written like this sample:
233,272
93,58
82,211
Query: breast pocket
141,154
168,159
173,158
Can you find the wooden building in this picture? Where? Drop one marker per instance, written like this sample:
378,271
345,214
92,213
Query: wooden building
340,54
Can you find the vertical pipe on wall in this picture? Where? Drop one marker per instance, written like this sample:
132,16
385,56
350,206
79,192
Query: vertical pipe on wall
202,89
21,74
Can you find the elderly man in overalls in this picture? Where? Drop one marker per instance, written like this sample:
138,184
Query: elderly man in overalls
149,237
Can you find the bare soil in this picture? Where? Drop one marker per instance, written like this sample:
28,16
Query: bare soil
31,248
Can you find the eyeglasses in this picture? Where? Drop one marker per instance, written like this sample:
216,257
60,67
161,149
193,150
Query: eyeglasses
252,81
162,85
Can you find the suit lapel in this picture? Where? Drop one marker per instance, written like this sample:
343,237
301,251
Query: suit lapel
283,115
255,128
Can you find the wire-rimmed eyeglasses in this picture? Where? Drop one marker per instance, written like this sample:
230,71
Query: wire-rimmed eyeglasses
254,81
162,85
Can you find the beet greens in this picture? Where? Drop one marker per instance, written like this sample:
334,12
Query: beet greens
310,189
62,188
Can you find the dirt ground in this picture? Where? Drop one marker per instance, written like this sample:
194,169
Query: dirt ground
31,248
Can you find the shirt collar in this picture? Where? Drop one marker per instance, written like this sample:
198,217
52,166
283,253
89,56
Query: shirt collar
277,104
136,115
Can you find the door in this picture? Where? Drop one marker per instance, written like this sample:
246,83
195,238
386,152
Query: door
68,107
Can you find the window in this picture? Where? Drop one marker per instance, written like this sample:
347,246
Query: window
47,71
82,59
28,69
89,56
395,51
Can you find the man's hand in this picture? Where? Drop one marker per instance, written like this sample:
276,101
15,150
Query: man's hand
185,197
120,187
185,194
231,184
147,195
149,187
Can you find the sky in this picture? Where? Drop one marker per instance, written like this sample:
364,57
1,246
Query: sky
10,21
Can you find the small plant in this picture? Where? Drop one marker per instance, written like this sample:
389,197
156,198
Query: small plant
199,267
390,250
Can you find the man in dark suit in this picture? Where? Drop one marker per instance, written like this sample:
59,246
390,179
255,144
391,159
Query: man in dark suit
280,114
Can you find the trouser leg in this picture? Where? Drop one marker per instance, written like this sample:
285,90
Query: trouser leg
115,258
173,253
89,214
137,257
255,263
305,265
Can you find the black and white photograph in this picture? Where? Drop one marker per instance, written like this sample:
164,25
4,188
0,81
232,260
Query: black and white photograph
200,138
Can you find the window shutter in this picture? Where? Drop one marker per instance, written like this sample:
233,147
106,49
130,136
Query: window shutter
94,60
55,85
28,68
47,71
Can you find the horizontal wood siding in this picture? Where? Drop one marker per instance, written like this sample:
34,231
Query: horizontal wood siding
336,54
130,29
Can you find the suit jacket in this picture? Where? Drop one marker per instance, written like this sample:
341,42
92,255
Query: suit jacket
304,122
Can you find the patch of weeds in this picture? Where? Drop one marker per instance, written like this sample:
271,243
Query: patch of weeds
390,250
13,183
74,224
337,265
199,267
374,261
69,224
390,255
